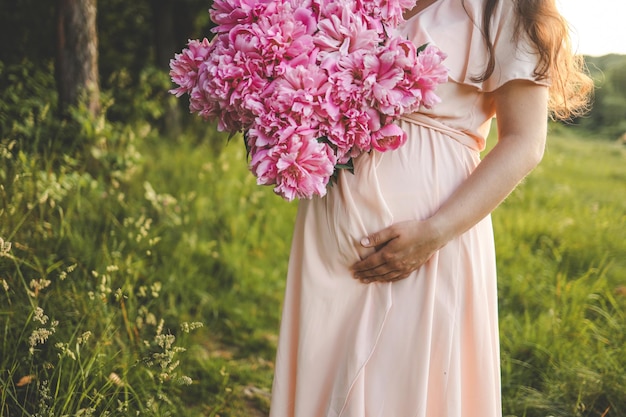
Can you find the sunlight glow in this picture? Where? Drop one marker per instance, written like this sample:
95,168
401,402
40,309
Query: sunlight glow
598,27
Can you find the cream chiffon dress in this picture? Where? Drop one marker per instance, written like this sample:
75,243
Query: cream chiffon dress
426,346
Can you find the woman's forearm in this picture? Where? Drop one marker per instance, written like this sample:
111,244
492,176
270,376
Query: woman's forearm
492,181
521,110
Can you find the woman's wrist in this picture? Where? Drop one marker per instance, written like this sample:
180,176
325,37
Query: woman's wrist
442,229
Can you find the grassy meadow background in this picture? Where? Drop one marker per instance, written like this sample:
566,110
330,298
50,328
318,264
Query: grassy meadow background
142,274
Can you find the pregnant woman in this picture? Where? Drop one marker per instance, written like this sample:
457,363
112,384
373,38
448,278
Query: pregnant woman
391,304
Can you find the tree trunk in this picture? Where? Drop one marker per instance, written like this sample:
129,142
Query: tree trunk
77,55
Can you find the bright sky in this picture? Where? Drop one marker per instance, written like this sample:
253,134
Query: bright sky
599,25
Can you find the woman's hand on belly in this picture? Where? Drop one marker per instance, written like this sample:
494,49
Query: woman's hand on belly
399,250
521,107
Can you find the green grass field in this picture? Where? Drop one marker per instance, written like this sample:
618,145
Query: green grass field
120,253
561,243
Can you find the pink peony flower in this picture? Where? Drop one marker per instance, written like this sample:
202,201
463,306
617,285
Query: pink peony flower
428,73
302,91
346,76
382,77
184,66
388,138
263,165
345,33
388,11
351,134
312,83
303,168
271,128
227,14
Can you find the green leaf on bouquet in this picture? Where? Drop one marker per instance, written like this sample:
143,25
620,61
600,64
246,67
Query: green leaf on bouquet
348,166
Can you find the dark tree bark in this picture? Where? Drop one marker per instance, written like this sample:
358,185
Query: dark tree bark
77,55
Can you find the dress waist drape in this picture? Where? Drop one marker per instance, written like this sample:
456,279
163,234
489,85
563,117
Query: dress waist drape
427,121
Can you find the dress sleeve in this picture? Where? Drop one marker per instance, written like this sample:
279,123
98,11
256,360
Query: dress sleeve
516,57
454,26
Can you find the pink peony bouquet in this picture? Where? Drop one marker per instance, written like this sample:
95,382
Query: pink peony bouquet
311,83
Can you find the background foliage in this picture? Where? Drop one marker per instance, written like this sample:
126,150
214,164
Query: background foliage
119,240
608,114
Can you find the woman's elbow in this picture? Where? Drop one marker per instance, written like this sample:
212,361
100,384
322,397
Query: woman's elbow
536,152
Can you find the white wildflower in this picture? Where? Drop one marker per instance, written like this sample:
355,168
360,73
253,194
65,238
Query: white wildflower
166,341
185,380
39,284
141,291
105,289
44,399
44,197
115,379
40,316
85,412
67,271
65,350
187,327
155,289
5,248
151,319
122,407
159,329
82,339
40,336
